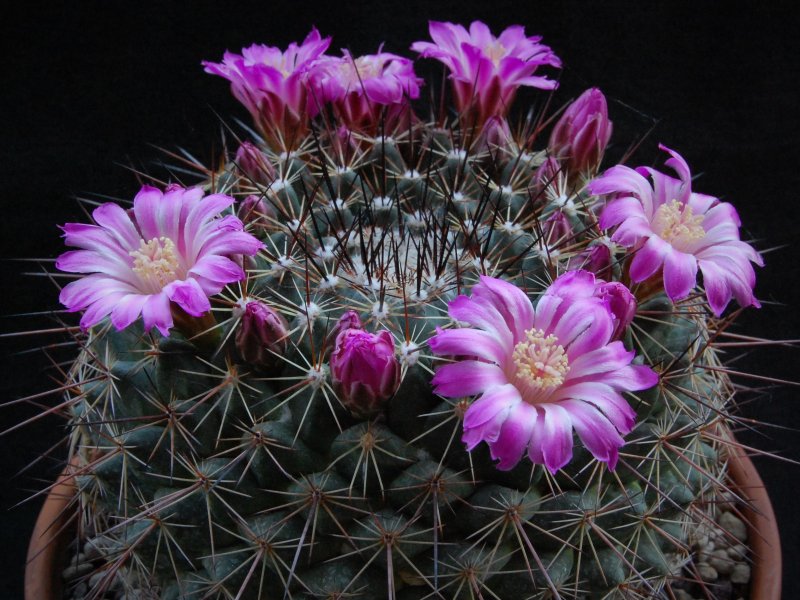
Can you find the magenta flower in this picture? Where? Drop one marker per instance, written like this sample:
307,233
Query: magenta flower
486,70
263,335
272,86
367,90
170,248
581,135
671,226
364,370
540,372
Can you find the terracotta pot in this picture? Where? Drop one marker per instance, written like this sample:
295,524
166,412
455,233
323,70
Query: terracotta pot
51,534
47,551
762,527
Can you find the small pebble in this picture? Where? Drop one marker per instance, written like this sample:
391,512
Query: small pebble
76,571
734,526
80,590
721,561
91,549
704,553
723,589
707,572
682,595
740,573
702,541
96,578
737,551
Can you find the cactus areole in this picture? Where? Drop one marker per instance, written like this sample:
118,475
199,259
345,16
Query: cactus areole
384,355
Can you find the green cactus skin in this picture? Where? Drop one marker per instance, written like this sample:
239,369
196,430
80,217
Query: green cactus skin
210,478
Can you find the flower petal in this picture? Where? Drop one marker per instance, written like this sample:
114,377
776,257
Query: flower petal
482,316
469,342
649,258
597,433
511,302
156,313
189,296
515,435
554,443
467,378
680,274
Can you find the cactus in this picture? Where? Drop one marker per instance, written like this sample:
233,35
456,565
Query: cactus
299,435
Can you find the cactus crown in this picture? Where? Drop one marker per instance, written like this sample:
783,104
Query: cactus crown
374,279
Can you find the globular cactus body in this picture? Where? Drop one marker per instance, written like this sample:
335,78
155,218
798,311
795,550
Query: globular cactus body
295,445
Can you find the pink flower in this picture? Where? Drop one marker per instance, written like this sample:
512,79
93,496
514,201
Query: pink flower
486,70
367,90
262,336
671,226
272,86
540,372
581,135
364,370
170,248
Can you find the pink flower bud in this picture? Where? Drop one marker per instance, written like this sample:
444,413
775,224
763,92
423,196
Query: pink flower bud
262,336
556,228
254,165
364,370
254,210
497,134
596,259
548,182
349,320
581,135
621,304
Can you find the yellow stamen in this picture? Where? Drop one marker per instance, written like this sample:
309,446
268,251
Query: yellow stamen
675,223
495,51
541,361
156,262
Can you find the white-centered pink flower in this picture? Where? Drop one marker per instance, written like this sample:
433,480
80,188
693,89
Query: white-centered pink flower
366,90
272,84
172,247
485,70
540,373
671,226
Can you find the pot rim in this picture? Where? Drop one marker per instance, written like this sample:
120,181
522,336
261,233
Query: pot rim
763,537
50,538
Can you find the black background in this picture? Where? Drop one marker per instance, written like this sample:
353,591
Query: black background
87,88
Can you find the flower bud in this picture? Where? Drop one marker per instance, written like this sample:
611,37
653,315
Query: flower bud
255,166
364,370
348,320
262,336
596,258
556,229
497,134
548,182
254,210
581,135
620,302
